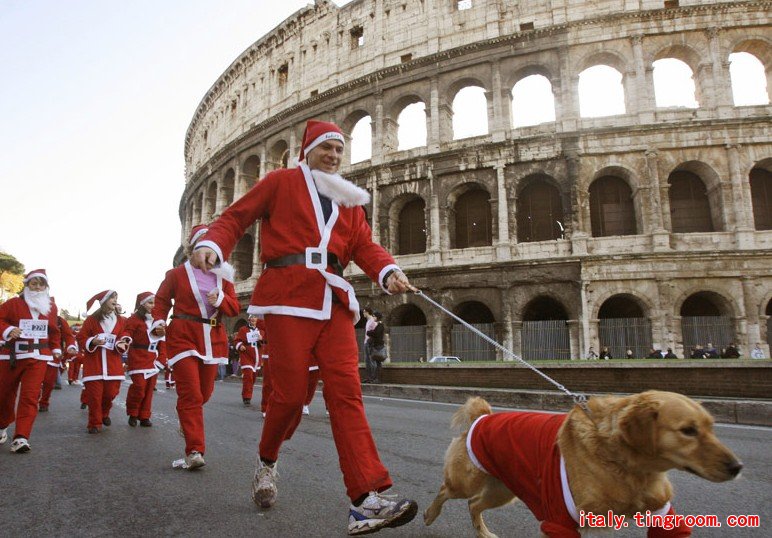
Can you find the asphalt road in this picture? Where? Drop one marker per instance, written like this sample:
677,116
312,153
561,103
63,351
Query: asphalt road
122,483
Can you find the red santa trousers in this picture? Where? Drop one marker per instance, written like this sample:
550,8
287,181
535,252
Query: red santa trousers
267,385
73,371
195,383
99,396
332,342
49,380
25,381
247,383
313,382
139,398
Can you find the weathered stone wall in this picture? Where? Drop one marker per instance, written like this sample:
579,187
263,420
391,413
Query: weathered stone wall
251,117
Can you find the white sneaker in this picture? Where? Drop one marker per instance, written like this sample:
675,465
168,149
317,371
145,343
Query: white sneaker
379,511
194,460
3,435
263,414
264,489
20,445
306,411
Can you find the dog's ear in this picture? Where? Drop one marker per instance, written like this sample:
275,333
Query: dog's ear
638,426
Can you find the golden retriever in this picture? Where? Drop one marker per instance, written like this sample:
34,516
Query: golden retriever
614,456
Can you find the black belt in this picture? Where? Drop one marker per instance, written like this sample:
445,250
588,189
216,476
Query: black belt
140,346
300,259
214,322
28,346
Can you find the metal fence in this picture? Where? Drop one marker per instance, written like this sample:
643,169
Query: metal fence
700,330
468,346
621,334
546,339
407,343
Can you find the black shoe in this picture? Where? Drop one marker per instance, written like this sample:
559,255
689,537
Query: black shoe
247,401
43,409
83,406
106,421
145,423
133,422
93,430
69,382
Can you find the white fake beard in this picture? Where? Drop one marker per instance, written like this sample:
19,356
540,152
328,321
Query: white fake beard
226,271
38,300
340,190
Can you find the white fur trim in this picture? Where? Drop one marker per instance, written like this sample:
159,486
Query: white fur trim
36,275
340,190
330,135
249,367
383,274
8,332
210,244
198,235
226,271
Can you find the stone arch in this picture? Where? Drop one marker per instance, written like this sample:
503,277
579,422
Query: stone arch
459,84
544,307
210,202
470,110
410,127
526,71
693,210
408,232
614,97
679,51
539,209
278,155
707,317
242,255
228,188
612,208
407,333
359,143
760,178
758,46
545,333
623,325
676,84
399,104
466,344
470,216
250,172
604,57
347,125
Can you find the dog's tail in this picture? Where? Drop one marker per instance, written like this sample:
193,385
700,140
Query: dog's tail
474,408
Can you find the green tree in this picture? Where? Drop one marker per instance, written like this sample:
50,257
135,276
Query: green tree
11,276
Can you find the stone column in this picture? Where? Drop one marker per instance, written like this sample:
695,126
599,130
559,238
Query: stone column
500,117
575,338
751,299
644,83
434,254
436,336
578,202
569,92
660,237
586,338
517,338
502,244
376,225
506,329
433,113
256,265
262,163
741,206
720,80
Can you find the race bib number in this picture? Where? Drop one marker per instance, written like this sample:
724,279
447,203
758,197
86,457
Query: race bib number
109,340
253,337
34,328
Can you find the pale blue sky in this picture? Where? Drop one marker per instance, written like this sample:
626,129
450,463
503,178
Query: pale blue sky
95,99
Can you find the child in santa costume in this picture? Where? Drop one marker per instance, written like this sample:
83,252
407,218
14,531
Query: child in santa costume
248,345
74,362
103,339
147,357
312,225
29,338
55,366
196,340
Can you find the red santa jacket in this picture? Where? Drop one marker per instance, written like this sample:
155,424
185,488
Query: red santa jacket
146,354
185,337
100,362
67,343
16,312
247,343
521,450
288,205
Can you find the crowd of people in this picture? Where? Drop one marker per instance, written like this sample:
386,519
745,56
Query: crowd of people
312,225
698,351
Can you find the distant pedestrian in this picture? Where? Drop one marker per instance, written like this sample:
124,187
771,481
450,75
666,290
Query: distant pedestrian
247,342
377,346
670,354
369,362
730,352
605,354
591,355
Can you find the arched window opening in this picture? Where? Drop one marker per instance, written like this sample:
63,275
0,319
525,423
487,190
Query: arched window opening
241,257
465,344
705,324
674,83
362,140
228,187
532,101
539,213
761,195
473,220
411,127
470,113
407,334
279,155
545,330
601,92
611,207
211,202
689,204
768,313
749,80
412,227
622,326
250,172
200,218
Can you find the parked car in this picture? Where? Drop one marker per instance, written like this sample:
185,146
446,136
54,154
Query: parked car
444,359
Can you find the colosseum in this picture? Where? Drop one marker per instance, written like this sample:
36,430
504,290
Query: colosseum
647,226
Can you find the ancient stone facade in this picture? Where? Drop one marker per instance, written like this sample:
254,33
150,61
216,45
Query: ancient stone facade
658,217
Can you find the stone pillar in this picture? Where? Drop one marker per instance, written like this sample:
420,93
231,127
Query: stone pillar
502,244
507,336
569,93
256,265
517,338
433,113
376,225
665,310
586,338
720,79
500,117
575,339
262,163
436,335
578,205
660,237
742,205
433,251
751,299
644,83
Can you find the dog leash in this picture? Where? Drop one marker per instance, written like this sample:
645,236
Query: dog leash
578,398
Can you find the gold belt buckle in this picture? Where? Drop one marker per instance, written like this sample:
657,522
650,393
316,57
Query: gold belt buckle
213,322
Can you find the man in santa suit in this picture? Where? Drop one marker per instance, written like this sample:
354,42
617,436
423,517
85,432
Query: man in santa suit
196,341
29,338
54,366
247,344
312,225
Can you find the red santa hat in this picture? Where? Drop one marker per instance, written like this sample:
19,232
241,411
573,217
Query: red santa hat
142,298
317,132
102,296
36,273
197,232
